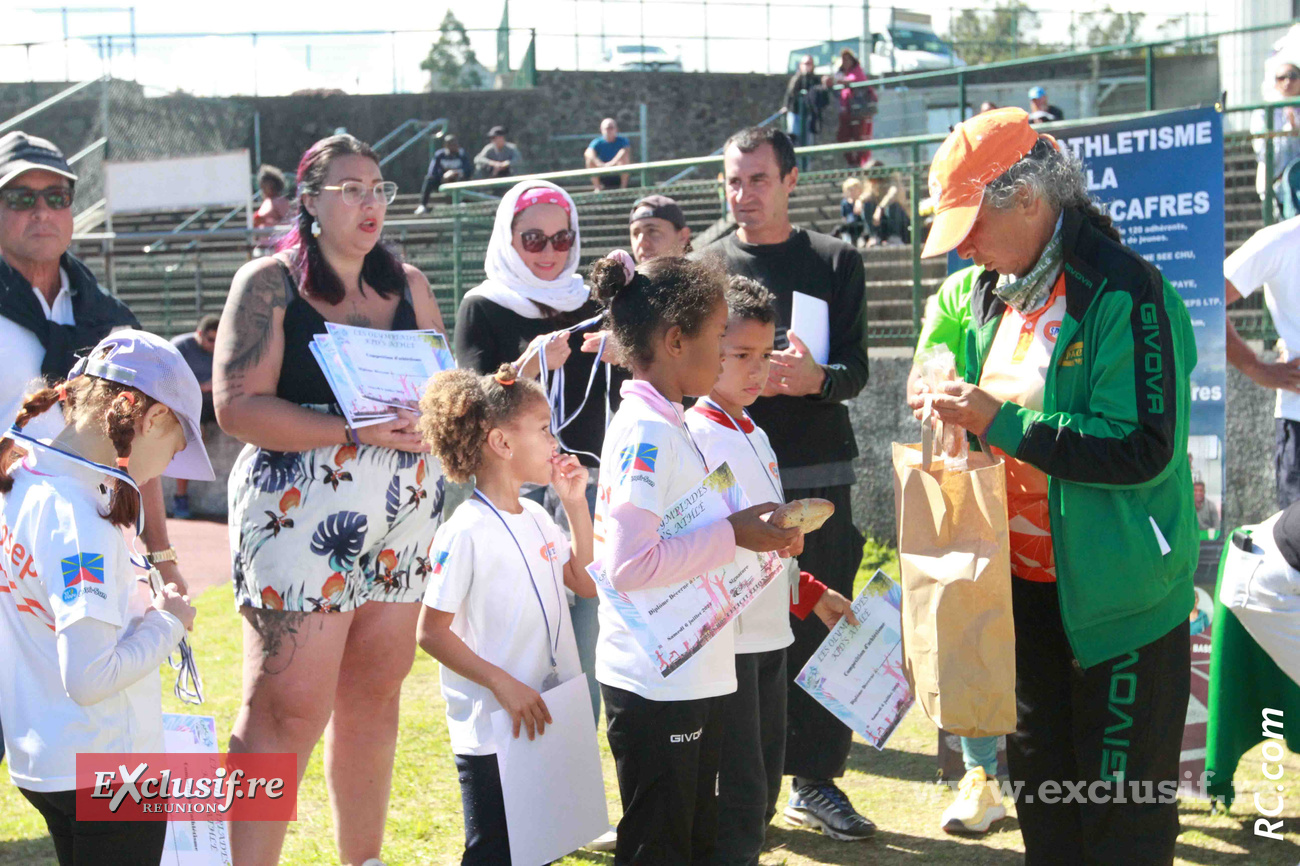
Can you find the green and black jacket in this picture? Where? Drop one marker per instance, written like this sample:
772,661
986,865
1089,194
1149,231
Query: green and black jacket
1112,439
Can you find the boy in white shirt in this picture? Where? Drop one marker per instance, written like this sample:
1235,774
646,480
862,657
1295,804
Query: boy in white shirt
753,753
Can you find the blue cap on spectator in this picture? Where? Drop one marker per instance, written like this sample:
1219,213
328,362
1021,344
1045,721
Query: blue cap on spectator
1037,93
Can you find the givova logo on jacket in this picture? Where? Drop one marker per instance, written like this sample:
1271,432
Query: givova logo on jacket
83,572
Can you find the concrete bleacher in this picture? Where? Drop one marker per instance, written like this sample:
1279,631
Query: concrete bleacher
170,287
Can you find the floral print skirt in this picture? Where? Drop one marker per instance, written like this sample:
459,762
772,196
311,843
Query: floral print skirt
332,528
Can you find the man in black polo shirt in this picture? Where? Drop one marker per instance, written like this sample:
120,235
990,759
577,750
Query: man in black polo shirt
803,413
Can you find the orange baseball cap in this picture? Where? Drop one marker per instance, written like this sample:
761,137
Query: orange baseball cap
976,152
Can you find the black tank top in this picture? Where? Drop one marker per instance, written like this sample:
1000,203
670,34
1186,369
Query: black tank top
301,378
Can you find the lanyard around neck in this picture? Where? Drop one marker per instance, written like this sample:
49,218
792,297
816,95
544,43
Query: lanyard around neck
780,495
551,649
555,386
18,435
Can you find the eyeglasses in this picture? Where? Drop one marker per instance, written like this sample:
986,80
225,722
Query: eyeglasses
354,192
535,240
22,198
1287,76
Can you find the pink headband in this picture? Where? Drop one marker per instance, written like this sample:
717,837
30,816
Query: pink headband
541,195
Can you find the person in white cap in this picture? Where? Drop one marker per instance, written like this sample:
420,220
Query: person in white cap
81,638
51,305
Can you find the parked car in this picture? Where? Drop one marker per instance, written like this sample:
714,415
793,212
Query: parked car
641,58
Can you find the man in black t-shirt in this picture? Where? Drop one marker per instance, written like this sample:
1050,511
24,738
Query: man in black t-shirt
803,412
196,348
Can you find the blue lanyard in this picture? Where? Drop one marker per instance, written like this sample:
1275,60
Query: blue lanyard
18,435
780,495
551,650
555,386
189,686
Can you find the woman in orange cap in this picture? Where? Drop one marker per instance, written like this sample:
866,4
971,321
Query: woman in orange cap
1078,355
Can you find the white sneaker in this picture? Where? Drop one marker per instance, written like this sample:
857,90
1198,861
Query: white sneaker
418,210
978,805
373,861
606,841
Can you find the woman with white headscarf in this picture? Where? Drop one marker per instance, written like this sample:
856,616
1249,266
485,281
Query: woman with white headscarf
531,296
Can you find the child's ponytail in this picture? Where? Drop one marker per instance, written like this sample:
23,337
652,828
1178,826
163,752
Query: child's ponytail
119,406
33,404
460,408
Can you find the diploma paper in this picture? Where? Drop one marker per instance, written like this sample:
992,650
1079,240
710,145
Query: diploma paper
194,843
552,785
811,322
673,623
857,672
391,367
359,411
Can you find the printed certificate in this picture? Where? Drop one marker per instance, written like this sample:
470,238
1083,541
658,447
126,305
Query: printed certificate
194,843
673,623
391,367
857,672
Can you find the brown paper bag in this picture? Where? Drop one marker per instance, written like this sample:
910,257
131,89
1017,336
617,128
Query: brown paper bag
959,642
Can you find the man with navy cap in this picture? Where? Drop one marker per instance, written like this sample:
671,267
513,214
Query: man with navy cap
51,305
658,228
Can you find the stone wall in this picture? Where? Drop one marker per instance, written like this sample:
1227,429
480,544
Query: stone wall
688,114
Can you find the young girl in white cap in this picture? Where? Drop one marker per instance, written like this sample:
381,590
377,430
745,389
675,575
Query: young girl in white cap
81,639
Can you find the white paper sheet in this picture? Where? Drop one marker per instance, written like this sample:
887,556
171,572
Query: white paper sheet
194,843
359,411
857,672
552,785
810,320
673,623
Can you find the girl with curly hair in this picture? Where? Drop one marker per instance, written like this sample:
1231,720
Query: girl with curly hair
495,614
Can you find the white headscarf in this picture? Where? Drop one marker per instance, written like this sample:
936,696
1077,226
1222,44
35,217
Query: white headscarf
510,283
1286,52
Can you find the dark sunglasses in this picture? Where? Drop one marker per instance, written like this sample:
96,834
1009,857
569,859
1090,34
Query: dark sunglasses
1287,76
22,198
535,240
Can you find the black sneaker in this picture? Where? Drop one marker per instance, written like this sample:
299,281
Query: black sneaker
181,508
823,806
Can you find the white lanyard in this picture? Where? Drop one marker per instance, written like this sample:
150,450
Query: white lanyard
189,685
553,678
780,495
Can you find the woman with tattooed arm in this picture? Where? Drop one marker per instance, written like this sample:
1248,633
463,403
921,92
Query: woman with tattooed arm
330,526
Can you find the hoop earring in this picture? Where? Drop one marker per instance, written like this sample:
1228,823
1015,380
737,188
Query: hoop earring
315,229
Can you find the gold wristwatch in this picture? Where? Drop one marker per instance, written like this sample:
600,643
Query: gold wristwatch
167,554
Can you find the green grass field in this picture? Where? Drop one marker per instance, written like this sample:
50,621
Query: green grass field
895,788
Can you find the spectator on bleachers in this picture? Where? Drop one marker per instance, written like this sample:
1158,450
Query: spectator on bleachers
275,204
51,305
450,163
1040,110
857,107
196,348
498,158
885,209
658,228
608,149
850,228
805,97
1281,82
986,105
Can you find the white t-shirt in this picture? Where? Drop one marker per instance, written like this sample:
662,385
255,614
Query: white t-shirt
1271,258
479,576
61,562
21,355
673,469
765,624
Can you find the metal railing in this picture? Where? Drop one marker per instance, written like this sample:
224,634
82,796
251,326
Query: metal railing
913,166
1146,49
687,172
